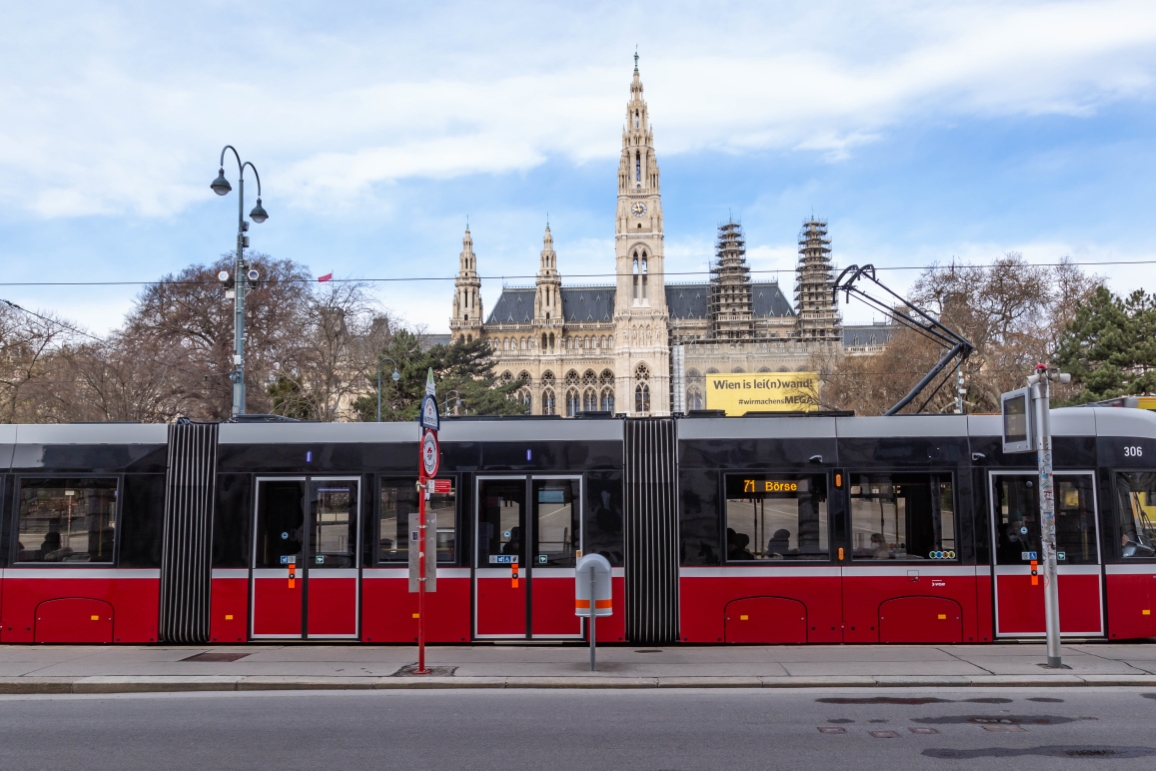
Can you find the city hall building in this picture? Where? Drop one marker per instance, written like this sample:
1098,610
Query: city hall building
643,346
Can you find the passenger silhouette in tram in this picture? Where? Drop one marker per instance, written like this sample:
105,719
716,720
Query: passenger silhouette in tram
879,548
737,546
51,550
780,544
514,545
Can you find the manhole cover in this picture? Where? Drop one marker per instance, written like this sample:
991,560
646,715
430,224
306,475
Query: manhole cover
408,671
216,656
922,730
884,734
831,729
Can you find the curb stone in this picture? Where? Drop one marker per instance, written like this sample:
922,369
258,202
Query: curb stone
185,684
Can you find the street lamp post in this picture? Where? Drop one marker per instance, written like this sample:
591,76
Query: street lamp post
396,377
241,275
457,401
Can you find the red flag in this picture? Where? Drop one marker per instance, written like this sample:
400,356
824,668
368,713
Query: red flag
326,277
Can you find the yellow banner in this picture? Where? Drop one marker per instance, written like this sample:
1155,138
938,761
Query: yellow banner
763,392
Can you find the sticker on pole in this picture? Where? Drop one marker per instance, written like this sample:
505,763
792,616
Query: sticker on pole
430,454
429,413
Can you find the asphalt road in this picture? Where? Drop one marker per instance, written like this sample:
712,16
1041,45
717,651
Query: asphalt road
556,730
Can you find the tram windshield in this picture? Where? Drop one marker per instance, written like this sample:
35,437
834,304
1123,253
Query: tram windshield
1137,495
902,517
776,517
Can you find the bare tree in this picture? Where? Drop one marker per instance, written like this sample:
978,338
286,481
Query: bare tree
1013,312
322,375
184,324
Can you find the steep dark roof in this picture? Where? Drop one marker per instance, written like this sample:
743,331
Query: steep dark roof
579,304
596,303
689,301
514,306
769,300
588,303
868,334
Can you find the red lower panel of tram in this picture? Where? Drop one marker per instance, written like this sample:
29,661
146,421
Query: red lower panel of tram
389,610
1020,605
1131,595
82,605
708,597
229,606
831,605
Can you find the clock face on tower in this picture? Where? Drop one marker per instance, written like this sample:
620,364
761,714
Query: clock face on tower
638,208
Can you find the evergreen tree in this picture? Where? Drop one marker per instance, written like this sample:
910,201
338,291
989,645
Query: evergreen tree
465,367
1110,346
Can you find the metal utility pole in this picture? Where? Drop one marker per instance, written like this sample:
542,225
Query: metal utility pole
1040,384
241,273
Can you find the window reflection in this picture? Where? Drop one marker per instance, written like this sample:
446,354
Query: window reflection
776,516
399,500
902,517
1137,509
66,520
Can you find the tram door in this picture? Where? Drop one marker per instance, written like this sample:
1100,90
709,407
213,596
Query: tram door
1016,533
305,551
533,524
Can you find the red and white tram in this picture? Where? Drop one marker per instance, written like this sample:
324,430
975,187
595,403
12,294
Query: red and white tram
764,529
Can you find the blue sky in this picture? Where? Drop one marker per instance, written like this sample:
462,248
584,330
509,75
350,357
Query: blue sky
921,130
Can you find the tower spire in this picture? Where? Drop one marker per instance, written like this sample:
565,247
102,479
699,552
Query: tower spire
466,322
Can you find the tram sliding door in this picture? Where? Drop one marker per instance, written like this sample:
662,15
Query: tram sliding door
528,527
1016,533
304,580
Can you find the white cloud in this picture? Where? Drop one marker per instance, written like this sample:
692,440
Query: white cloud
121,111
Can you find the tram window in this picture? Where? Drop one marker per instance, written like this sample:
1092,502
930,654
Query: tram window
398,501
1018,519
1137,493
66,520
776,517
902,517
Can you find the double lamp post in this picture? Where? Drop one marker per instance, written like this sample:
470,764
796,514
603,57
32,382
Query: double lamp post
242,274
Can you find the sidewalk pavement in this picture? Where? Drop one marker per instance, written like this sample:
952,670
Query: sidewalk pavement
127,669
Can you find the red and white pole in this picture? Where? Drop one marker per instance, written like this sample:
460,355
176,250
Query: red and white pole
422,557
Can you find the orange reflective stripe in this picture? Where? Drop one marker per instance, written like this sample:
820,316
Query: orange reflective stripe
581,603
601,604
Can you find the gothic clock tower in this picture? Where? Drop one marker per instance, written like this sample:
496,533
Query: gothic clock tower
642,355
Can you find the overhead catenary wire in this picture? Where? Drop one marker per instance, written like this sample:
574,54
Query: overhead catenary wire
533,276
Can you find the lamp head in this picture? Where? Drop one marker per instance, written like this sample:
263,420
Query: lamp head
258,214
221,185
396,376
1065,377
1033,379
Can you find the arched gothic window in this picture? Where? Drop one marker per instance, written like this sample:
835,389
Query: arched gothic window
572,403
608,400
642,389
637,166
590,400
548,406
694,398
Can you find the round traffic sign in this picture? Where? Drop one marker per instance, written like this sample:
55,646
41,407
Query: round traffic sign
430,454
